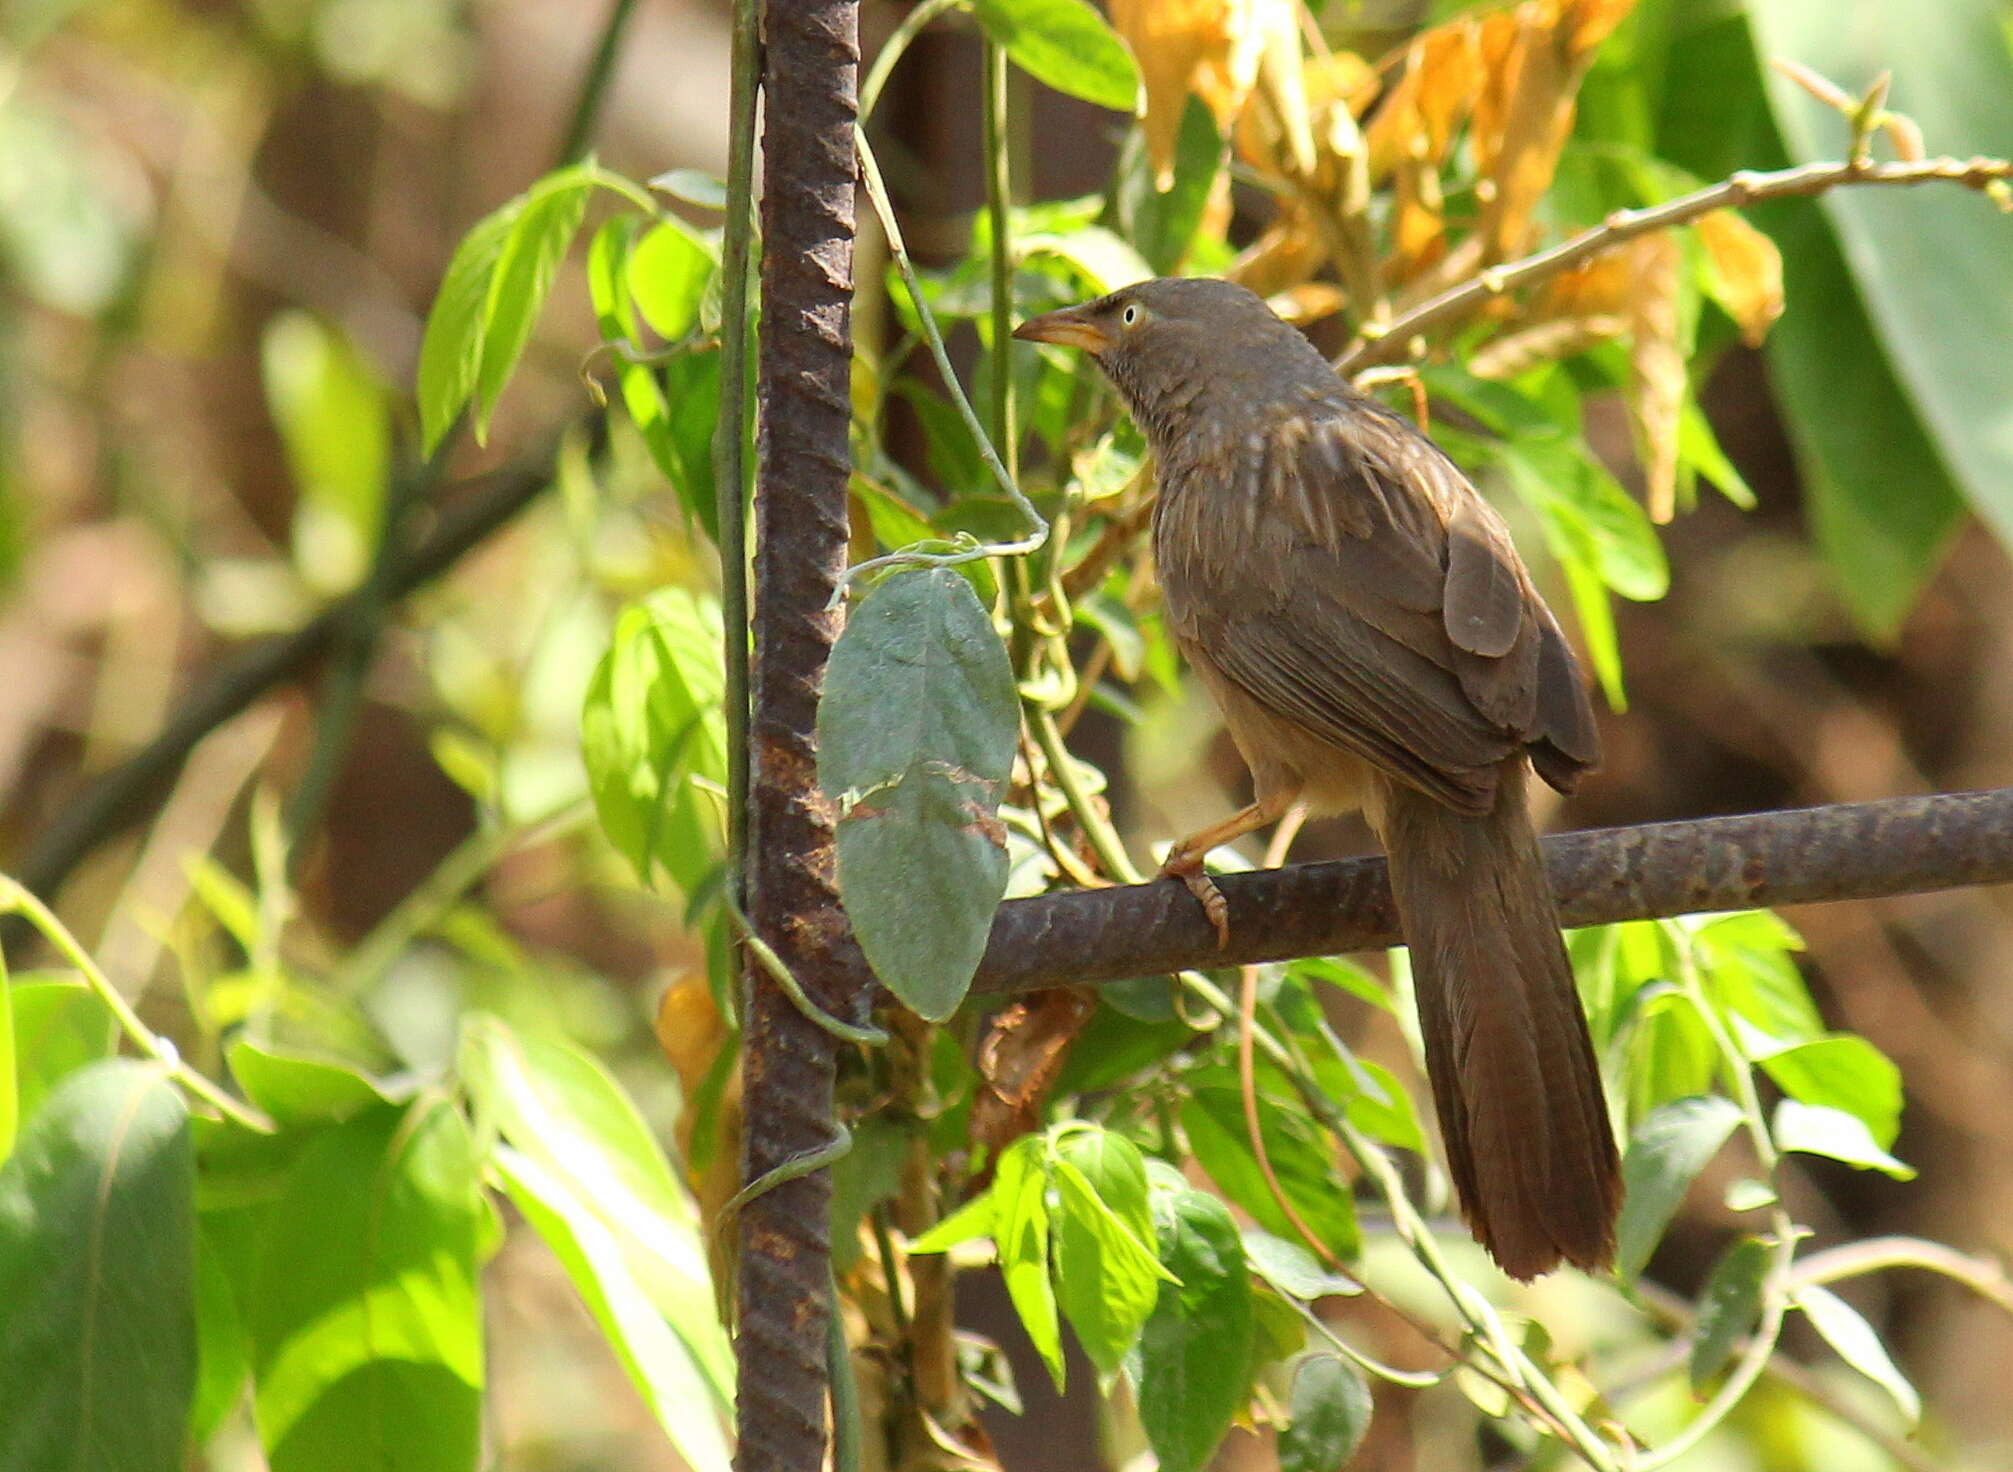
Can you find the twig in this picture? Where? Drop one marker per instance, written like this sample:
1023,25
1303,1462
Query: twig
122,796
1844,851
1982,1275
16,899
580,124
1741,189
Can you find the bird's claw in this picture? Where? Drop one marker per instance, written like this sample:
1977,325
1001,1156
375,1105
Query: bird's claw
1188,869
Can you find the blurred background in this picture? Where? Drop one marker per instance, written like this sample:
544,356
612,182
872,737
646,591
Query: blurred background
221,225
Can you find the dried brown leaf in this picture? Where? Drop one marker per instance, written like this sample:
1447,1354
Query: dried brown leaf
1744,272
1531,79
1420,114
1657,378
1210,47
1547,342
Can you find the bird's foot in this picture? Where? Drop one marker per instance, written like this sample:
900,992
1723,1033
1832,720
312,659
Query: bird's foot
1187,867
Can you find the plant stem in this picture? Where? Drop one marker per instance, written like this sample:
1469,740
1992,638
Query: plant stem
18,899
1741,189
586,113
896,46
730,430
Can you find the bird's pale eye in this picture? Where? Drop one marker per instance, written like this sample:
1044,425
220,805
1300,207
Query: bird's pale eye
1130,316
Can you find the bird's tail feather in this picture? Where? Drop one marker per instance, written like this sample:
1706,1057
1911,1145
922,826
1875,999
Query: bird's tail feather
1512,1067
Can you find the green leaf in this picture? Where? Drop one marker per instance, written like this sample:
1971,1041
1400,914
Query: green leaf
530,257
298,1090
656,1360
223,1355
1292,1269
866,1175
668,272
10,1096
1106,1278
365,1321
916,737
97,1275
492,292
1666,1152
1329,1415
1162,223
1815,1129
1213,1119
1114,1169
675,406
975,1219
1020,1206
1942,330
1847,1332
451,351
652,722
1728,1309
608,278
1195,1351
1843,1072
336,428
590,1151
1066,44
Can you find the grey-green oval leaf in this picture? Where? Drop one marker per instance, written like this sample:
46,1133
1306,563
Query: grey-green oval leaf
1330,1411
1195,1351
915,740
97,1275
1728,1308
1846,1331
1066,44
1669,1149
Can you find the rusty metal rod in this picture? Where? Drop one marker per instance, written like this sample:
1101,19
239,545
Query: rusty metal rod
803,357
1846,851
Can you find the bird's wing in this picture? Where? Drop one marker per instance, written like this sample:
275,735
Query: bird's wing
1392,615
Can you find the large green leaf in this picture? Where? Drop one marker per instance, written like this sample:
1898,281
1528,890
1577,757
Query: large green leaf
59,1026
653,722
1668,1149
1107,1276
1021,1228
588,1154
1066,44
97,1277
915,740
1218,1133
667,273
656,1359
1943,330
1846,1331
1728,1308
298,1090
364,1314
1195,1352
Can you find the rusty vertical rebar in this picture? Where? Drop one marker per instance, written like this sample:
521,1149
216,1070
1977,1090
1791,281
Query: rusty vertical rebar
803,366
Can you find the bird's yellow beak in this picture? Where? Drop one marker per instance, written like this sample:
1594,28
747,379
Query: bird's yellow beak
1072,327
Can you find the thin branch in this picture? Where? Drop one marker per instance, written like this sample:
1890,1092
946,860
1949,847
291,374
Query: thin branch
1982,1275
594,85
124,795
1744,188
1842,852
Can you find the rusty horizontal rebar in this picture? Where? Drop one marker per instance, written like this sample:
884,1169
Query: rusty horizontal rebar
1846,851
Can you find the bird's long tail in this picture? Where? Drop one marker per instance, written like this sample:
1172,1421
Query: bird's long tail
1514,1078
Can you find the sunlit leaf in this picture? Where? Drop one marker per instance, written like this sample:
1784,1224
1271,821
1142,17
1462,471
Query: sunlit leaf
1292,1269
1208,46
668,271
1021,1227
364,1314
1842,1072
916,735
336,429
653,722
1846,1331
97,1276
1066,44
1817,1129
1743,273
1213,1119
296,1089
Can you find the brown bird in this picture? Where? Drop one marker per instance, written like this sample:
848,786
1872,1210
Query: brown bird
1374,642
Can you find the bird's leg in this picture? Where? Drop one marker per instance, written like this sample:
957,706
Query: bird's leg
1184,860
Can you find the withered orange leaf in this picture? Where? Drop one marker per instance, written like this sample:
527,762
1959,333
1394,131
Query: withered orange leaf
1743,273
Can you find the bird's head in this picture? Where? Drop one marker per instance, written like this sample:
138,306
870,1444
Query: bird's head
1173,346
